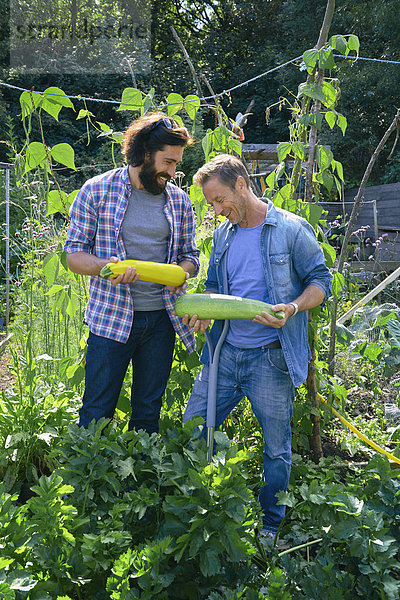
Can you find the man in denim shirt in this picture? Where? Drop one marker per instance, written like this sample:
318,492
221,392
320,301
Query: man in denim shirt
268,254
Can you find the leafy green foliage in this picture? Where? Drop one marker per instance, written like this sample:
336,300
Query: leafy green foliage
141,515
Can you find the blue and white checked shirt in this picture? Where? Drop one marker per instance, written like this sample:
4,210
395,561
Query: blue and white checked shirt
96,217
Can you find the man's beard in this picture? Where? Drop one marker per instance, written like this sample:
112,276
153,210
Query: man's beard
149,178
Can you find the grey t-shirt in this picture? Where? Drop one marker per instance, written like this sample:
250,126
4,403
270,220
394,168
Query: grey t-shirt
145,233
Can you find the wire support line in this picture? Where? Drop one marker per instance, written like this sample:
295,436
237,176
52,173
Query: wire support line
82,98
356,58
228,91
345,202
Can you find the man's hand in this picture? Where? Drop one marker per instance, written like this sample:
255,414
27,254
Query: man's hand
130,275
266,319
195,323
179,288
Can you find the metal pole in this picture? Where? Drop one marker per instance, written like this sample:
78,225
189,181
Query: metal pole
376,233
213,360
7,248
7,168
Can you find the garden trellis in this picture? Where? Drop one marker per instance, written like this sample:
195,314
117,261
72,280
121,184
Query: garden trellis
6,167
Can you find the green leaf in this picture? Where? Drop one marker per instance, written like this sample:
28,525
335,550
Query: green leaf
284,148
344,336
57,201
311,90
314,119
132,99
353,44
209,563
326,59
338,185
330,118
330,94
373,351
394,330
148,103
270,180
206,143
324,157
30,101
338,42
64,154
53,101
192,105
20,580
342,122
327,180
50,268
83,114
329,254
298,149
310,58
337,283
104,127
339,168
175,104
235,145
35,156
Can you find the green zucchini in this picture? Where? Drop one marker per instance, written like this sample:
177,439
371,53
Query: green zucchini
222,306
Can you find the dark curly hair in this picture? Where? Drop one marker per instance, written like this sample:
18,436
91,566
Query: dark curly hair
151,133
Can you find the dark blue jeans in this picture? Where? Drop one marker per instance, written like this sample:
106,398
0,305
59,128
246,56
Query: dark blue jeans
262,375
150,348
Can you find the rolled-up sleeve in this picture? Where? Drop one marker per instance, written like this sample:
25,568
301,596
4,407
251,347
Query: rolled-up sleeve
187,249
211,282
83,224
309,261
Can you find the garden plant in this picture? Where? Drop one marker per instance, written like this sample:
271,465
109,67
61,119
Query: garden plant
106,513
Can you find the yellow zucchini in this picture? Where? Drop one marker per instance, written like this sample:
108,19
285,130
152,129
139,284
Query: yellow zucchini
163,273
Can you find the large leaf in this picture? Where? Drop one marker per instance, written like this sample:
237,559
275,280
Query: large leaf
53,101
310,58
284,148
132,99
30,101
175,103
50,268
338,42
312,91
329,254
337,283
35,156
57,201
324,157
64,154
192,105
394,329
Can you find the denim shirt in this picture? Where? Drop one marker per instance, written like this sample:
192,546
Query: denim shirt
292,260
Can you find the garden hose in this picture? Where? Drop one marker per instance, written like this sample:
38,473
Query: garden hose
358,433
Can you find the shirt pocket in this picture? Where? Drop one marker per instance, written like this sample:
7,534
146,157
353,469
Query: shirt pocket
281,269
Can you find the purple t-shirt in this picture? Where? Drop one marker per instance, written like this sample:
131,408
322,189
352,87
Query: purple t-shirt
246,279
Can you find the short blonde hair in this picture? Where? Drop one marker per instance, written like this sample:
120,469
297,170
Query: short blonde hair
224,166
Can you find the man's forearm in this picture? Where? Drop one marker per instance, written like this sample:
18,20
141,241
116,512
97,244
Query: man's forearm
85,264
188,266
312,296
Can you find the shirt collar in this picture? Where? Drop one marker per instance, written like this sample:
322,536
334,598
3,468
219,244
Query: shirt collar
270,219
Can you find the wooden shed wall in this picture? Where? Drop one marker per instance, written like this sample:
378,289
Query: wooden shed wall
387,198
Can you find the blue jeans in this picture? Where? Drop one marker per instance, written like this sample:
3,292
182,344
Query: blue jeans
150,348
262,376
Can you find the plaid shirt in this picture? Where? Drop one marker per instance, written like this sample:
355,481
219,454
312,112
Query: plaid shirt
96,218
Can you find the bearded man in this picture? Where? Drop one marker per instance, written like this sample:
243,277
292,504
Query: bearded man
133,212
